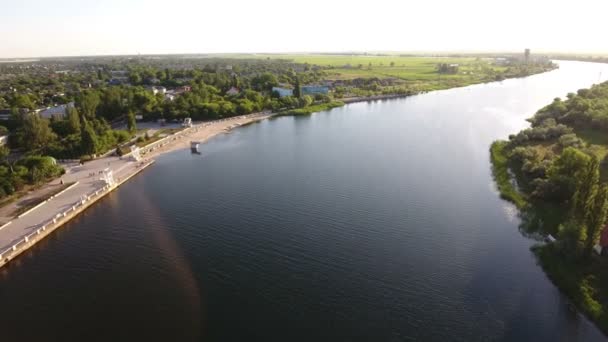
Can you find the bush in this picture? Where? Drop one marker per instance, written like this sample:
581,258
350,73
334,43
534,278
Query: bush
571,140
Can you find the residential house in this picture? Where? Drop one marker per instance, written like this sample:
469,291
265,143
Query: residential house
182,89
169,96
282,91
3,140
315,89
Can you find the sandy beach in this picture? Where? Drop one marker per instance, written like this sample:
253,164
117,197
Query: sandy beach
204,131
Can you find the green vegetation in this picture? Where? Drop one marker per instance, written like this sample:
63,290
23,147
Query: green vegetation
101,97
560,167
367,75
26,172
581,281
313,109
502,177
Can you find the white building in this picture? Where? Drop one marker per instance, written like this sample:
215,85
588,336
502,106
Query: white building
58,112
3,140
283,91
159,90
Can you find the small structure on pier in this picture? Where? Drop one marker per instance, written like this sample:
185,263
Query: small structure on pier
194,146
187,122
135,153
108,176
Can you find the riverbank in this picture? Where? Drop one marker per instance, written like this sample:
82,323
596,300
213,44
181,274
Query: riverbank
546,171
200,132
89,185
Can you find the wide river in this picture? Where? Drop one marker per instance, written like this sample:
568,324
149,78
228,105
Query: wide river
372,222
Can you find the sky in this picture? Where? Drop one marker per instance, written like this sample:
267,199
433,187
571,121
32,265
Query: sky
37,28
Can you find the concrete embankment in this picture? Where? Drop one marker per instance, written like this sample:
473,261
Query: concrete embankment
46,228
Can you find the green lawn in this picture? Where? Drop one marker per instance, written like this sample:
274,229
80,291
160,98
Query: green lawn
341,67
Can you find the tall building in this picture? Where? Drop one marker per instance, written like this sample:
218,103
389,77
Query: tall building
527,55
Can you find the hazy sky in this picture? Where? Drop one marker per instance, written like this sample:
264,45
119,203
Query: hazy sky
87,27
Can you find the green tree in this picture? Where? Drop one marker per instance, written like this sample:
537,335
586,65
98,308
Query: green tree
23,101
596,218
89,140
88,102
4,153
564,173
35,133
131,124
73,120
297,90
586,189
264,82
306,101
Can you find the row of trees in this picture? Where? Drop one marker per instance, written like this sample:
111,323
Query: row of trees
589,209
588,108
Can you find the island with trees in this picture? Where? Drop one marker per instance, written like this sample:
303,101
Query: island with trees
556,173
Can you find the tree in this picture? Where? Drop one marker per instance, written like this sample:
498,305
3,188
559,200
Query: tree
89,142
131,124
586,189
35,133
596,218
264,82
88,103
297,89
73,120
306,101
23,101
4,153
563,175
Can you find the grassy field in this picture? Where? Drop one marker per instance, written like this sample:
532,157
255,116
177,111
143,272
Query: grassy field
400,67
387,66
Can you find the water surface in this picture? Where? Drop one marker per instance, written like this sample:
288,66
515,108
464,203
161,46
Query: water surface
372,222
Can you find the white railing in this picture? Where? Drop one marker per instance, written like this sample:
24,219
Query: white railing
49,225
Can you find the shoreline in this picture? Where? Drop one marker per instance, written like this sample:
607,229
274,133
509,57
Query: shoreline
201,132
30,234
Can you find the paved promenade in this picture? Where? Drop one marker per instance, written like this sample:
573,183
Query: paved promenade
89,180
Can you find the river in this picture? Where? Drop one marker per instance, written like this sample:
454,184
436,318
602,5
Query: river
372,222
